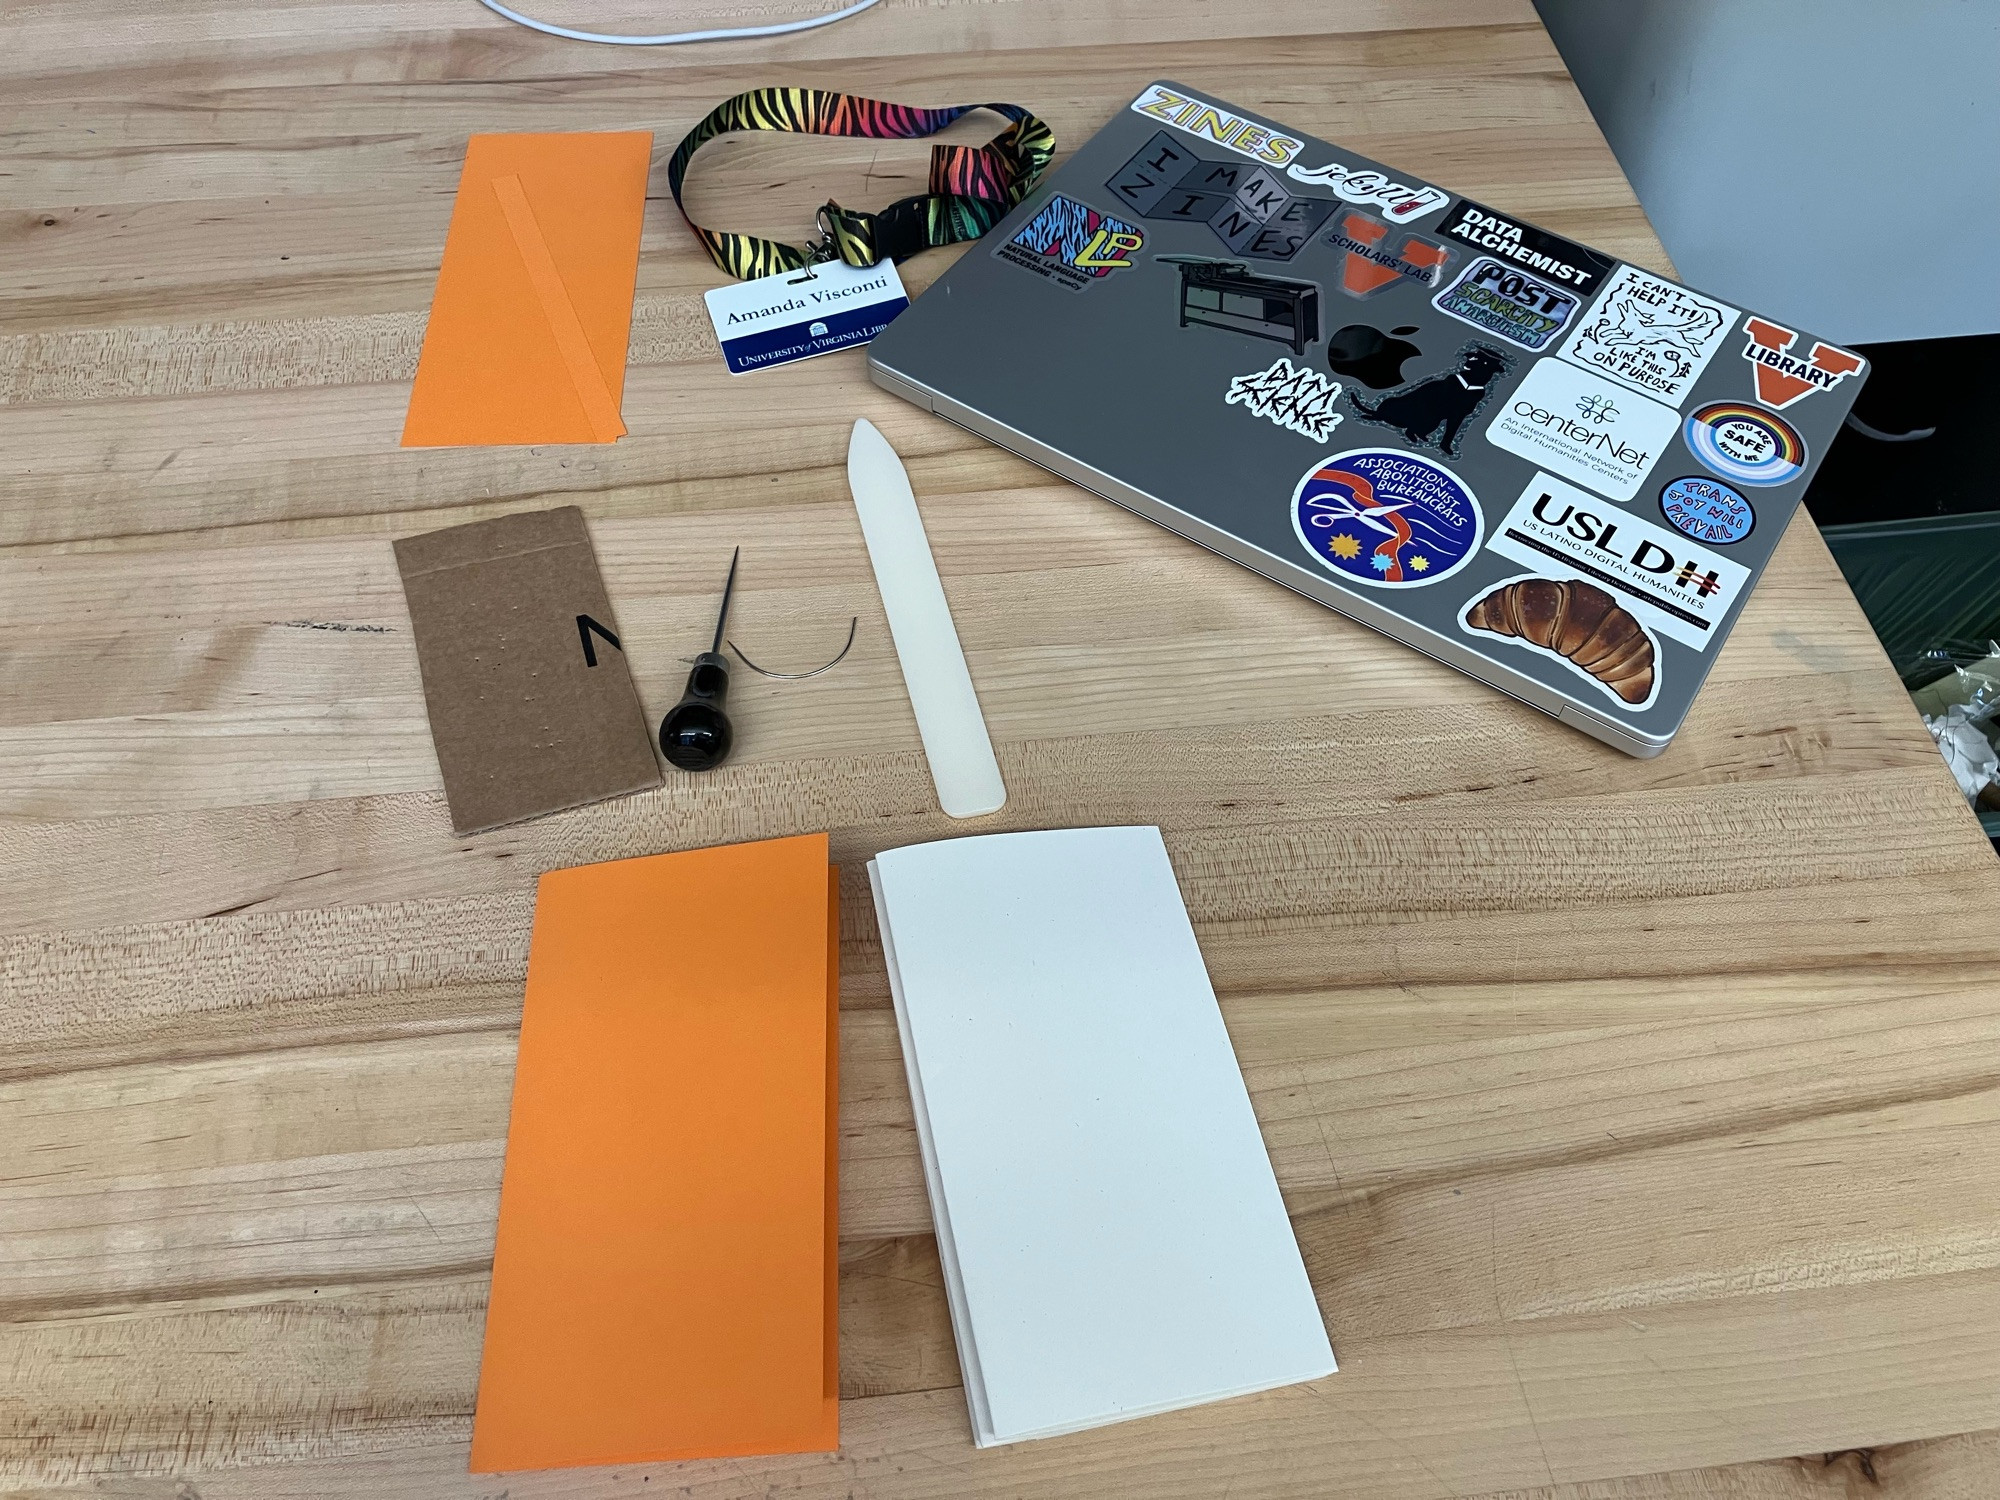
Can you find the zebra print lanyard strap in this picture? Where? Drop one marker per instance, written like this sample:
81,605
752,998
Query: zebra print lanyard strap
971,187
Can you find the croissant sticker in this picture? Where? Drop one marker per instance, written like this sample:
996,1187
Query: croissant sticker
1581,625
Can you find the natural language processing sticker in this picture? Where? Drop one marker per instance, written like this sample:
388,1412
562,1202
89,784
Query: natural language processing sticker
1495,298
1430,412
1676,587
1072,245
1707,510
1745,443
1386,518
1549,256
1586,429
1301,400
1782,377
1650,335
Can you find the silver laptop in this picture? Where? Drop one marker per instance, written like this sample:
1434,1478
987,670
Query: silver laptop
1557,472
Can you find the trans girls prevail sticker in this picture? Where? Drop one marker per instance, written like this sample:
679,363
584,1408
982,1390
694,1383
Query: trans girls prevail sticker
1385,518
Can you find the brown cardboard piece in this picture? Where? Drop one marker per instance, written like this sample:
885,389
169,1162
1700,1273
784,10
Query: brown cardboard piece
523,722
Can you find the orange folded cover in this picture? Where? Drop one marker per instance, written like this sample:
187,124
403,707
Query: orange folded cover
665,1277
533,309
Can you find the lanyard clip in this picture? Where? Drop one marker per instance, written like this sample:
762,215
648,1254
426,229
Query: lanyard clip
825,248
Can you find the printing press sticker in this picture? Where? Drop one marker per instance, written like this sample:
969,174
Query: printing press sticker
1782,376
1430,412
1072,244
1677,587
1577,624
794,315
1385,518
1365,353
1745,444
1371,261
1505,301
1707,510
1248,209
1549,256
1298,399
1228,294
1650,335
1564,418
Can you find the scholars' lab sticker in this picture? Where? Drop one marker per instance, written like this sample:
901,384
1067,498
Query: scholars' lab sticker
1707,510
1745,443
1073,244
1385,518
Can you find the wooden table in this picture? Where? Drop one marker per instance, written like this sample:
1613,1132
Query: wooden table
1636,1116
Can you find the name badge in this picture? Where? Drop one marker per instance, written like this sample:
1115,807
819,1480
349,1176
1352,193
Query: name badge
796,315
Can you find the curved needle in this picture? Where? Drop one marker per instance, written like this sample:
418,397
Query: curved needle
852,625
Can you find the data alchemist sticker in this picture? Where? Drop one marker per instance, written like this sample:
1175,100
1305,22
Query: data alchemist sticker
1385,518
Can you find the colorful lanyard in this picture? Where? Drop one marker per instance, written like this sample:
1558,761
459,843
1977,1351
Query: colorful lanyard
971,187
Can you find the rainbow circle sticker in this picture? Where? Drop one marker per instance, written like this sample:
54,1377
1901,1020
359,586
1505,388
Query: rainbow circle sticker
1386,518
1746,443
1707,509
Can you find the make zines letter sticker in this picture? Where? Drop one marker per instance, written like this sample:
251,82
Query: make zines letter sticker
1650,335
1072,244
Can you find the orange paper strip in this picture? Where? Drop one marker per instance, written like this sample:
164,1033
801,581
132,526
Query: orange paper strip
584,375
664,1282
498,364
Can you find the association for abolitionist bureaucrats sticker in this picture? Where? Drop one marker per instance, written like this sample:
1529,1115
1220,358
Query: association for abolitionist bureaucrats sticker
1385,518
796,315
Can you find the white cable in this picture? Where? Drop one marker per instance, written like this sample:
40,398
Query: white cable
719,34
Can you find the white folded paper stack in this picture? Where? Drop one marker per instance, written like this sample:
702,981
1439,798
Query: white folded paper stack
1113,1239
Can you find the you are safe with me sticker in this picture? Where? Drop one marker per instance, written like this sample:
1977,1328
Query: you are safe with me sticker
796,315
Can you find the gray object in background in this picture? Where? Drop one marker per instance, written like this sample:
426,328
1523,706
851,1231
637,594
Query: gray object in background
1830,161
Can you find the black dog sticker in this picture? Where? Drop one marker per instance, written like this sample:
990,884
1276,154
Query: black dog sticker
1444,401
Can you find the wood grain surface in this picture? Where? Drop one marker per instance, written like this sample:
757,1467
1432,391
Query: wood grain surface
1636,1117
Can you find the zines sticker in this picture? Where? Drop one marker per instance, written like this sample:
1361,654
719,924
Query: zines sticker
1707,510
1210,122
1387,519
1782,377
1300,400
1650,334
1745,443
1072,244
1498,299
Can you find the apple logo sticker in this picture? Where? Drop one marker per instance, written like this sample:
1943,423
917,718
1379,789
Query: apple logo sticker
1369,355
